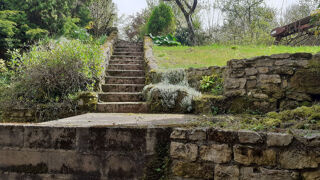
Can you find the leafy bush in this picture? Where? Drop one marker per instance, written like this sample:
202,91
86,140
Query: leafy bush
50,76
213,84
168,40
161,21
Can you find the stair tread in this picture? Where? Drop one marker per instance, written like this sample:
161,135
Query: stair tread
120,93
123,84
139,102
126,77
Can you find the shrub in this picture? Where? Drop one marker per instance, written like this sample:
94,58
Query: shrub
161,21
52,74
213,84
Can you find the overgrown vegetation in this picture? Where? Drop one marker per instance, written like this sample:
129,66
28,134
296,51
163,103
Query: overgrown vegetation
24,22
217,55
212,84
306,118
48,78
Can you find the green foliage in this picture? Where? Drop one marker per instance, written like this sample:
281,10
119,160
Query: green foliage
213,84
72,30
36,34
50,75
167,40
15,31
50,14
161,21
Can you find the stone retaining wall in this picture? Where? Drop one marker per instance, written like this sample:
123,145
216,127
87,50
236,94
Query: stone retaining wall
44,153
83,153
217,154
276,82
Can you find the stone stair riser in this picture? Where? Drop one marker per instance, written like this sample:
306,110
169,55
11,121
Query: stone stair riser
128,54
128,50
126,58
126,73
120,97
115,80
125,67
122,88
122,61
122,108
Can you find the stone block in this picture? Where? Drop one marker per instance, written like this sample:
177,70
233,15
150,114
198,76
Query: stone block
50,138
264,63
251,71
235,63
311,175
72,162
299,96
251,84
249,137
303,63
179,134
238,73
117,139
29,160
263,78
233,93
234,83
249,155
222,136
222,172
286,62
280,56
267,174
192,170
276,139
198,135
187,152
300,56
296,159
122,165
260,96
217,153
11,136
263,70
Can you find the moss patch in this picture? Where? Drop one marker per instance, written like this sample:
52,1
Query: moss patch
306,118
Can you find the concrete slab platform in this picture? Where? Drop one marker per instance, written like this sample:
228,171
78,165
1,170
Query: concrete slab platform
123,119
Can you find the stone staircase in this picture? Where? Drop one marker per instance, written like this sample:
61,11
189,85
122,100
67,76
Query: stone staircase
125,79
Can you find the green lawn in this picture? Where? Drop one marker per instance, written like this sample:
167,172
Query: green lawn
217,55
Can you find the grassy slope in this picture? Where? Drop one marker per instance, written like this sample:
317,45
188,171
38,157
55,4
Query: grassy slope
217,55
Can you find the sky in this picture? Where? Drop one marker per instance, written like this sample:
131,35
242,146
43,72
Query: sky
129,7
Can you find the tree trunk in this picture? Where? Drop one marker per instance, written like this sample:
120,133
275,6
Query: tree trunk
191,29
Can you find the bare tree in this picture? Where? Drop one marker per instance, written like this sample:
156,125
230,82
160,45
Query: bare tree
187,11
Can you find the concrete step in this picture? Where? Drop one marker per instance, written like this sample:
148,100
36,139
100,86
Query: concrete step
119,57
120,97
123,107
125,80
126,61
128,54
126,73
122,87
126,67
